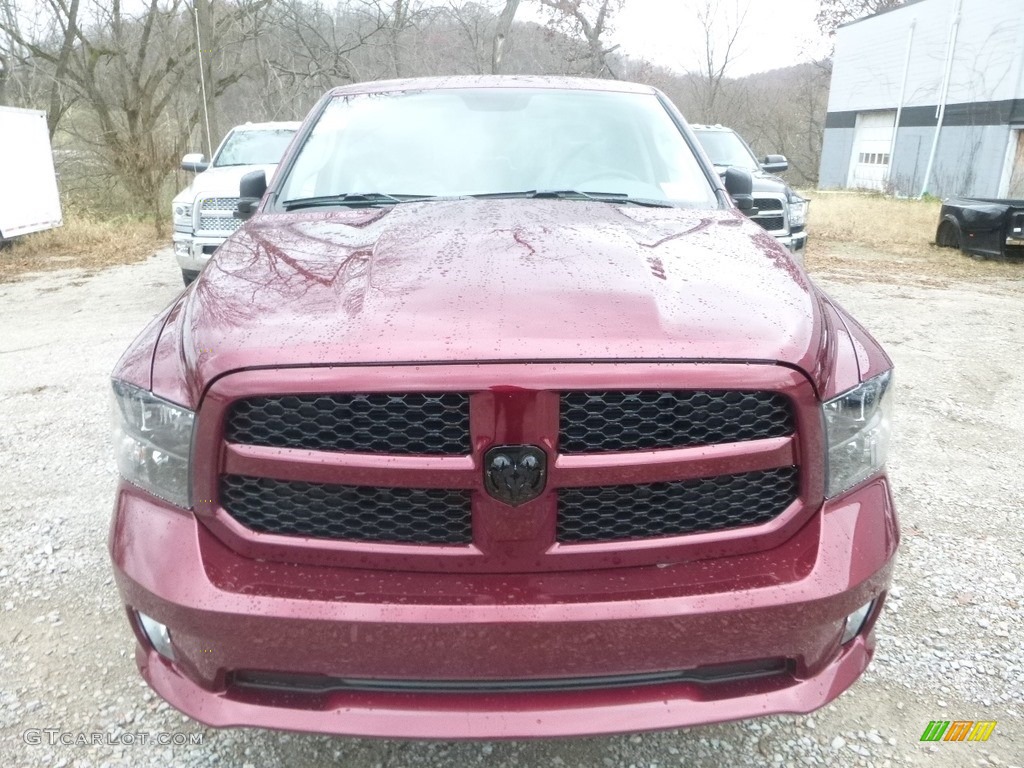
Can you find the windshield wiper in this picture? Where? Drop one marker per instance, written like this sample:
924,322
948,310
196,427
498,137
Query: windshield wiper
620,198
352,199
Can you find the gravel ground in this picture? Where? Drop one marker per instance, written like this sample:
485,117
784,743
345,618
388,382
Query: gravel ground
949,644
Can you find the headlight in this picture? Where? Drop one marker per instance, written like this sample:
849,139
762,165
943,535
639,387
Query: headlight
182,215
858,426
153,442
798,211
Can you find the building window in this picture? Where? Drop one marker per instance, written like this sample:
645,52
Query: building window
873,158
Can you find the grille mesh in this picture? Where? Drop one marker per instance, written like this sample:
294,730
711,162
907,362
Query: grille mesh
616,512
768,204
375,423
771,223
339,512
770,214
630,421
225,224
219,204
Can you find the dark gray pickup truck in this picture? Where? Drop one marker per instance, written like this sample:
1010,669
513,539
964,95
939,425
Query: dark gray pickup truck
982,227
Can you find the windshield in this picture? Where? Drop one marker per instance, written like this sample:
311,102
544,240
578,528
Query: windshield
254,147
459,142
725,148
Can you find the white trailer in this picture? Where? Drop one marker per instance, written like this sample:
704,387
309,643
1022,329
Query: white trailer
29,200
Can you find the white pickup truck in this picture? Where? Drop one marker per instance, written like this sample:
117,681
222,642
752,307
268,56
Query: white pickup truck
204,213
33,203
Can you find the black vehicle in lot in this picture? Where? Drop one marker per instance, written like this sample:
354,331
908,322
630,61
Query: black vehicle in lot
982,227
777,208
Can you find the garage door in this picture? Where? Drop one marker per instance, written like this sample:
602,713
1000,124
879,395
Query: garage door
872,140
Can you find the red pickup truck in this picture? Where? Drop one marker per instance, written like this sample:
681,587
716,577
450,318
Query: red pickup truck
498,418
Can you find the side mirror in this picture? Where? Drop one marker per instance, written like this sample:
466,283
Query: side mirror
775,164
250,192
740,186
194,162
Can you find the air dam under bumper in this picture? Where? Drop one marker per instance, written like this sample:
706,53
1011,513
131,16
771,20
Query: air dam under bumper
231,617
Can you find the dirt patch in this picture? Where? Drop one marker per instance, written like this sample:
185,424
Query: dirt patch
929,265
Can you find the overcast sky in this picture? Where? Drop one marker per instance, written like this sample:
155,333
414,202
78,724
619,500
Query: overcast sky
775,34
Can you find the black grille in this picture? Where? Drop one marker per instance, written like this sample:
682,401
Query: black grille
398,515
768,204
630,421
771,223
616,512
374,423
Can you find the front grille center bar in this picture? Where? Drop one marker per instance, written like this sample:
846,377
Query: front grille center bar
462,471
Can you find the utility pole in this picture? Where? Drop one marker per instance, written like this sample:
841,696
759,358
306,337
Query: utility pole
203,13
941,110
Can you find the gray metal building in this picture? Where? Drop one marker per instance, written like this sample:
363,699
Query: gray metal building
929,97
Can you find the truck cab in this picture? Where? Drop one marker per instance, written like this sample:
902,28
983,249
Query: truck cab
777,208
204,212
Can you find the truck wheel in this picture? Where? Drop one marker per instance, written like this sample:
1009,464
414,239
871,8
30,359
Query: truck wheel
188,276
948,235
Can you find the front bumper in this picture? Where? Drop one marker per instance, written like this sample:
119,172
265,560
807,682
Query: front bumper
795,242
230,616
193,252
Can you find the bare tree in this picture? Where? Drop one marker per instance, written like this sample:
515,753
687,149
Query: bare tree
501,34
832,13
792,123
203,11
127,69
318,44
10,52
487,33
398,17
720,22
476,25
590,19
60,32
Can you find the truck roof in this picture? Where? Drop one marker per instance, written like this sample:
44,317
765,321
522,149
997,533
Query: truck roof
494,81
269,126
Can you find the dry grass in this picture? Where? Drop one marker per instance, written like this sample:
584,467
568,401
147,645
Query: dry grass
873,221
85,242
891,240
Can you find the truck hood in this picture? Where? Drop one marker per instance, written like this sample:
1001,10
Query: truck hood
220,182
769,183
471,280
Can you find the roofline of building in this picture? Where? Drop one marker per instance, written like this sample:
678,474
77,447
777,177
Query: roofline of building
907,4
